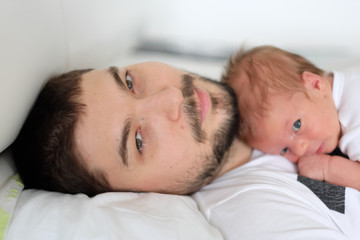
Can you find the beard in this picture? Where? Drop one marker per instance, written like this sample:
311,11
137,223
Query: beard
224,103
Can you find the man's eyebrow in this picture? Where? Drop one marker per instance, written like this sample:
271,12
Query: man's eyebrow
115,73
123,151
123,144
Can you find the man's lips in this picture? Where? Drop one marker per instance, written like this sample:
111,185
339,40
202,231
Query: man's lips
204,103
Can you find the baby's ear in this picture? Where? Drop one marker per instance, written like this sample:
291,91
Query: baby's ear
312,81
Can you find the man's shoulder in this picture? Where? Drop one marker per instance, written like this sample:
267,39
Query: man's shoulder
269,174
265,195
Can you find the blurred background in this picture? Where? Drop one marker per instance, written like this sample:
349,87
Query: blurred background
188,33
198,35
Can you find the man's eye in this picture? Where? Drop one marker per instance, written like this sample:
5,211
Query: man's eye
296,126
139,141
129,81
283,151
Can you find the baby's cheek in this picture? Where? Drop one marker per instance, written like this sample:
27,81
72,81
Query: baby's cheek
293,159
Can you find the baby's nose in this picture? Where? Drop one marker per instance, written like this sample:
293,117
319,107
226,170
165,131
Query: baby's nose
300,147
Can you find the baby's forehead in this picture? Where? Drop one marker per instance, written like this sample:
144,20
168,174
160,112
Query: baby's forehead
262,141
272,117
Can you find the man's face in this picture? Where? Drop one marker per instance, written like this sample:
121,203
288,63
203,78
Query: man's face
152,127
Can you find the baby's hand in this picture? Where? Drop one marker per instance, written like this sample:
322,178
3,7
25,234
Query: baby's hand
314,166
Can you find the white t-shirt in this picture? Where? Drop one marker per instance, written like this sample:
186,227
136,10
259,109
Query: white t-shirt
346,89
266,199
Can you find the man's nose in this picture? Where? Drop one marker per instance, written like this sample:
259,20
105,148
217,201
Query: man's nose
168,101
300,147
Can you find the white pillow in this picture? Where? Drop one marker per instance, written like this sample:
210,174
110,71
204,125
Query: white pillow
49,216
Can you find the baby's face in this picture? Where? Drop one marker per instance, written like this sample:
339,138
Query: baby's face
297,125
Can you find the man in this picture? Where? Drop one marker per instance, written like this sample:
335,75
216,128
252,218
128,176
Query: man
151,127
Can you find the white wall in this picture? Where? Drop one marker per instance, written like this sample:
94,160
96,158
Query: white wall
326,31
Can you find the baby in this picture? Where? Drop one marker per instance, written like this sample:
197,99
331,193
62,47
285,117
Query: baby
289,106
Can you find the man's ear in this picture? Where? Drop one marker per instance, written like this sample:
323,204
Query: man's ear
313,81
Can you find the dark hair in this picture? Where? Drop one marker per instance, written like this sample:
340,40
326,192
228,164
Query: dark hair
44,151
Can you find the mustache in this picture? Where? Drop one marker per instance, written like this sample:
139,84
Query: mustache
226,101
190,107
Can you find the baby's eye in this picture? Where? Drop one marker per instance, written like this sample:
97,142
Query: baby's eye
283,151
296,126
139,141
129,81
